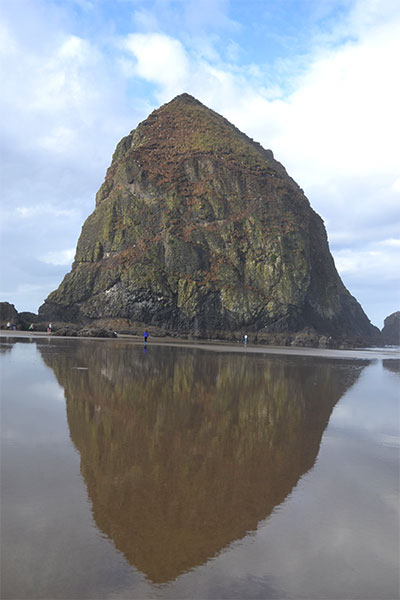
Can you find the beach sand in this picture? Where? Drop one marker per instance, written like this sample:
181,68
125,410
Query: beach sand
387,352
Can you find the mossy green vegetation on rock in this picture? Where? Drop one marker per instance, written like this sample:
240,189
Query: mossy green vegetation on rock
198,229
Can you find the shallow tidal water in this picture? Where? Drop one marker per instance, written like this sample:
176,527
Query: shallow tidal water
173,472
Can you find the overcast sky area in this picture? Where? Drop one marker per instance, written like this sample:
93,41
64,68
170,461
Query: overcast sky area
316,81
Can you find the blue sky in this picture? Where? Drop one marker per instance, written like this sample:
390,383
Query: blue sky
314,80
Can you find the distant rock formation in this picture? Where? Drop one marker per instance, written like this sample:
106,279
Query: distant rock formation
199,230
10,315
11,319
391,329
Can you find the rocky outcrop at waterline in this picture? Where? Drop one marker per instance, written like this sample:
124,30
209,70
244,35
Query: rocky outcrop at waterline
391,329
198,230
8,313
10,318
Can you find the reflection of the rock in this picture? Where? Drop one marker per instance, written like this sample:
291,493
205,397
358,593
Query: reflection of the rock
184,451
7,343
5,347
392,365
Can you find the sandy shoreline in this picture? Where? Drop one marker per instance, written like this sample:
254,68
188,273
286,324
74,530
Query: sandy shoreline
387,352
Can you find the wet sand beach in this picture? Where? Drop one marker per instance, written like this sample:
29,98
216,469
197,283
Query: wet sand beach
386,352
197,470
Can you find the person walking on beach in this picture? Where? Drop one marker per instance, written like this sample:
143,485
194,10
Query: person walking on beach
145,336
245,339
30,327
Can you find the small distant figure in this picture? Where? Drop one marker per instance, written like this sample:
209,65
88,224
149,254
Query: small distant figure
145,336
49,329
8,325
14,326
245,339
30,328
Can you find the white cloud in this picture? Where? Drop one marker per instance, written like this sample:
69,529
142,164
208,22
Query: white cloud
345,108
391,242
28,288
7,43
58,139
60,257
160,59
396,185
367,14
29,212
378,263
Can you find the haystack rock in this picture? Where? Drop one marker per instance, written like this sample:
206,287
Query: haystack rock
199,230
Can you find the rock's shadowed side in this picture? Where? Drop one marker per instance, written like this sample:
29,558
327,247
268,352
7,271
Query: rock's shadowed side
391,329
199,230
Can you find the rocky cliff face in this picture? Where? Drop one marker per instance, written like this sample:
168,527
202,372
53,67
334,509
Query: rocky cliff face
199,230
